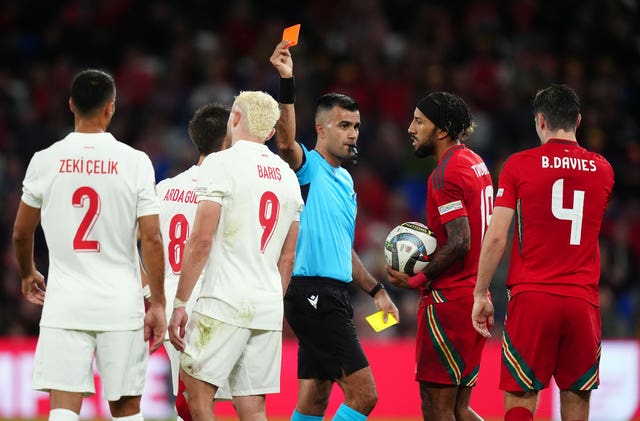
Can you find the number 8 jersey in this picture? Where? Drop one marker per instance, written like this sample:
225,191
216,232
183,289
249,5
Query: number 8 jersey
178,204
91,190
560,192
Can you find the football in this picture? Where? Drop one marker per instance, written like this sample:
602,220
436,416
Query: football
409,247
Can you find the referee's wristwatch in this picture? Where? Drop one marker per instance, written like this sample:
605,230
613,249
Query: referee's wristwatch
376,288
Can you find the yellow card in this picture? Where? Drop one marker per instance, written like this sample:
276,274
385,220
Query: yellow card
291,34
376,322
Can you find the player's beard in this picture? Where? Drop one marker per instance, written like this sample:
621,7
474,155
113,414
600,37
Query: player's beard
428,147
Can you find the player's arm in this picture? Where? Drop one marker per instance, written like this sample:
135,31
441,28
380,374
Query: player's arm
196,253
493,245
370,285
456,247
288,148
153,262
288,255
33,285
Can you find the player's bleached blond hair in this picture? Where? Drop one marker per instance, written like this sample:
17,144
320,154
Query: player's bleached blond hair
261,112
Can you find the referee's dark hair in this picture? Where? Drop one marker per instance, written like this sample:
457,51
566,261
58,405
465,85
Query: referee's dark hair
90,90
327,101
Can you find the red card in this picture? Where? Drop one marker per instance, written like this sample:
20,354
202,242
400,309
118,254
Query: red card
291,34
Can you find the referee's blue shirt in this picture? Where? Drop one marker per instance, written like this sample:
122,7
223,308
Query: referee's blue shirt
327,223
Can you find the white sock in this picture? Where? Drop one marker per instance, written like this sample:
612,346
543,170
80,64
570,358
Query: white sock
134,417
62,414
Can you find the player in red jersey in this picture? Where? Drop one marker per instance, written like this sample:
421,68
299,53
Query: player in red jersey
459,206
559,192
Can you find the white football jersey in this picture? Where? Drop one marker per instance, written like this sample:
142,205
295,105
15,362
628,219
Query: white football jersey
177,196
260,198
91,190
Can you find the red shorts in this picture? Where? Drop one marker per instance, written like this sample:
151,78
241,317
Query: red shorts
448,349
550,335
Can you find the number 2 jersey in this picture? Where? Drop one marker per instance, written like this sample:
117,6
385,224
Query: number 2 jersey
459,186
178,204
260,199
91,190
560,192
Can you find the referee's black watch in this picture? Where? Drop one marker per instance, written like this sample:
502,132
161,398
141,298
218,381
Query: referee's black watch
376,288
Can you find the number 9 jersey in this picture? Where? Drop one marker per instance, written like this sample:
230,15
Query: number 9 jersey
91,190
560,192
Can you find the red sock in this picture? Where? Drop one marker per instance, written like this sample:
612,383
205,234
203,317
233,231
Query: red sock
518,413
181,402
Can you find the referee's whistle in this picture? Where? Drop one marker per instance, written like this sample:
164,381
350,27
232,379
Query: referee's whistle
354,154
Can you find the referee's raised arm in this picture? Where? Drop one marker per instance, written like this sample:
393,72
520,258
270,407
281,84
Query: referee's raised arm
288,148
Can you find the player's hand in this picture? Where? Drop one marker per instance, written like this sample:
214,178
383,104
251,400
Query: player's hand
155,326
383,302
397,278
482,315
177,327
33,287
281,59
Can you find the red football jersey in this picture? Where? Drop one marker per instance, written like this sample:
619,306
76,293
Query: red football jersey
560,192
459,186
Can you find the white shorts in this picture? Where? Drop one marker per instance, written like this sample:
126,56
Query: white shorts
64,361
223,393
248,359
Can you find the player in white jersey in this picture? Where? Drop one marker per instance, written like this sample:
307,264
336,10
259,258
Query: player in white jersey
208,132
245,232
90,192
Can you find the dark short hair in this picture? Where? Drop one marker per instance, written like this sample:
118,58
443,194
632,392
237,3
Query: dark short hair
327,101
559,105
90,91
449,113
208,128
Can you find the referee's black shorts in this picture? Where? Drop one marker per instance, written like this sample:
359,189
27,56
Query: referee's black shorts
320,314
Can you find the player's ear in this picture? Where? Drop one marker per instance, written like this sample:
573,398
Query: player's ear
579,120
71,107
271,133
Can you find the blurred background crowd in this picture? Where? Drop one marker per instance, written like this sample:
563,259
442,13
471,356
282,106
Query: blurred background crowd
170,57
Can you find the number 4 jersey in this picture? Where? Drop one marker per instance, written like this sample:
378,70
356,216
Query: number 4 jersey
91,190
560,192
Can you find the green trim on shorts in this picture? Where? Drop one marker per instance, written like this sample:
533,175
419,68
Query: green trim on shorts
589,380
449,357
520,371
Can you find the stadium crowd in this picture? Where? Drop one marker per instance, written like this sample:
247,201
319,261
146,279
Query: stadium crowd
169,58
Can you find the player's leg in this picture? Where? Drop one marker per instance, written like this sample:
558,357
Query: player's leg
520,406
199,397
213,349
438,401
63,366
463,409
527,365
256,374
127,408
64,406
578,366
448,352
121,359
574,405
251,408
